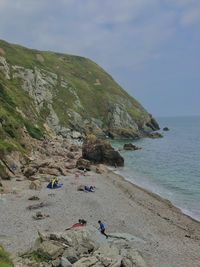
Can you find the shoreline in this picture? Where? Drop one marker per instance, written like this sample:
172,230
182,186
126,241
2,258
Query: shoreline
167,237
158,194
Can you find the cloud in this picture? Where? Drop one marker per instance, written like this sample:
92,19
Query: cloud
113,32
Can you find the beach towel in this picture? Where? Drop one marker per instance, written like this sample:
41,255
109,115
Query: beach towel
76,225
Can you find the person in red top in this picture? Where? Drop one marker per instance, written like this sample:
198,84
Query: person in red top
80,223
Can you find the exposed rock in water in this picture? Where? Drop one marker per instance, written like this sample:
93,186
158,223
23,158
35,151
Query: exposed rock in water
165,129
100,151
39,216
155,135
131,147
153,124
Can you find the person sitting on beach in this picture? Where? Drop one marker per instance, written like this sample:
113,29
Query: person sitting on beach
53,183
102,229
81,223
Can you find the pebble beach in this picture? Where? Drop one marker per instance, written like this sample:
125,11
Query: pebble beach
164,235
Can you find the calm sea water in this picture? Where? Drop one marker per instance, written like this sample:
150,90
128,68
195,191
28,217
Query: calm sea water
169,166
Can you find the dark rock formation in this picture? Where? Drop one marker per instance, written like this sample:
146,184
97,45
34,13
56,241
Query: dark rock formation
165,129
155,135
131,147
153,124
99,151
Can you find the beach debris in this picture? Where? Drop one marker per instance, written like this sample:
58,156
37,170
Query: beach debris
39,216
37,206
34,198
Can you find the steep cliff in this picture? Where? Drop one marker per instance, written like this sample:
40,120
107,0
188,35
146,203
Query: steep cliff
46,93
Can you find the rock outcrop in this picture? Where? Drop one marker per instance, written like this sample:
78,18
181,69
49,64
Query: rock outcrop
165,129
100,151
155,135
130,147
84,247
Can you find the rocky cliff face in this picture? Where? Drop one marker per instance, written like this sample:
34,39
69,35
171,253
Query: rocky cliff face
46,93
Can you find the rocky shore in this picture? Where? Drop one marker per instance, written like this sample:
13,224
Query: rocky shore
164,236
143,228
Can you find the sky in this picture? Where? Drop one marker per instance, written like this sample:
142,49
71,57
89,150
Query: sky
150,47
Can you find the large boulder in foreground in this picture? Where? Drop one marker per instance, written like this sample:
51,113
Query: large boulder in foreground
100,151
85,247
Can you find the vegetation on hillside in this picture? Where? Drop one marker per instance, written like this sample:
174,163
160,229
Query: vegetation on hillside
5,260
81,86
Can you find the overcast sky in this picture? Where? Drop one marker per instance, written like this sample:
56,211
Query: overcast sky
150,47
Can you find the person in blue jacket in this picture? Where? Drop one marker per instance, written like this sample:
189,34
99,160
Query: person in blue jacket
102,229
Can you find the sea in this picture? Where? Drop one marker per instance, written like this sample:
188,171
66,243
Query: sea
168,166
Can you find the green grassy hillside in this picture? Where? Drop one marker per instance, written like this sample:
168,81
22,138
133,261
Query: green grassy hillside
67,93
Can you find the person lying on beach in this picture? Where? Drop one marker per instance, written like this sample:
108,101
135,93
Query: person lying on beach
81,223
102,229
86,188
89,188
